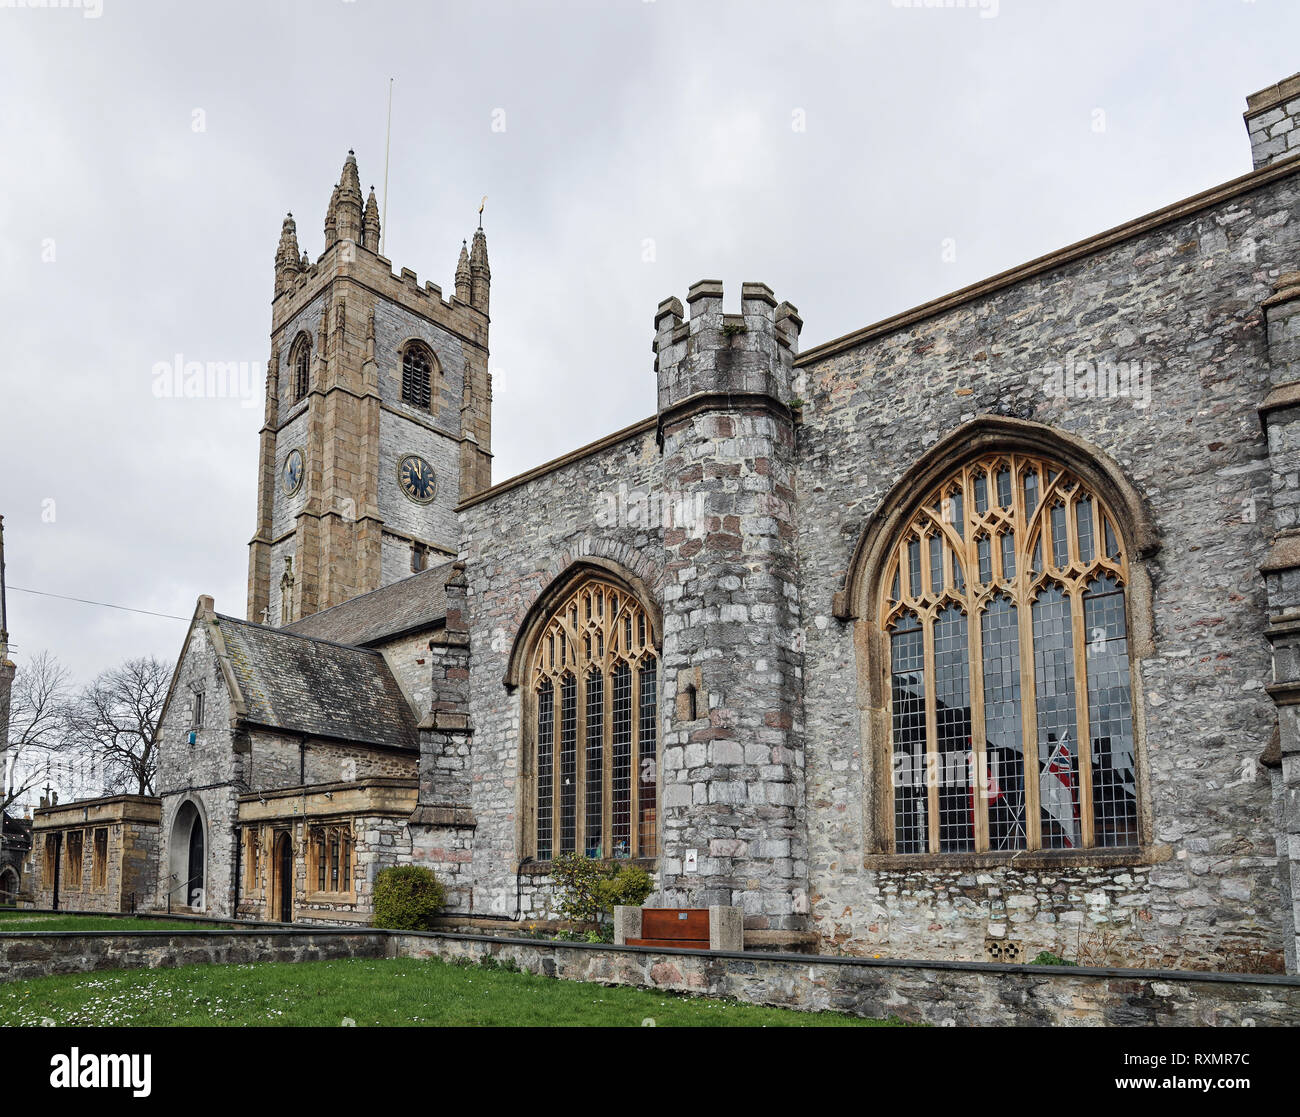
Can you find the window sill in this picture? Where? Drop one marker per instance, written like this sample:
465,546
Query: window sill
331,898
543,868
1044,859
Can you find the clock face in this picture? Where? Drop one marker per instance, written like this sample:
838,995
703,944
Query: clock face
291,474
417,479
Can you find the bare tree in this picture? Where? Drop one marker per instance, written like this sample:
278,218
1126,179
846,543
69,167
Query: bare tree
114,719
38,721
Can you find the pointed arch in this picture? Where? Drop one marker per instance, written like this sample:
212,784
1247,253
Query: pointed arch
420,368
982,587
990,434
590,566
300,366
587,663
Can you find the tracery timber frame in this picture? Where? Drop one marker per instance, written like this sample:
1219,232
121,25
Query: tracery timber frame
591,726
1010,566
858,602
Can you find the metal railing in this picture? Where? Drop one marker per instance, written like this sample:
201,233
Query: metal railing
183,884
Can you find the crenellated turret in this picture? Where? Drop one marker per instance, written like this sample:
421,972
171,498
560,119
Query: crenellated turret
480,273
370,223
287,266
727,434
464,277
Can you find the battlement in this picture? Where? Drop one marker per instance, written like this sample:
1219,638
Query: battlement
747,354
347,260
352,243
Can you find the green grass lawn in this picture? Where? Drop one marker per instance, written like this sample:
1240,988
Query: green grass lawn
16,920
398,992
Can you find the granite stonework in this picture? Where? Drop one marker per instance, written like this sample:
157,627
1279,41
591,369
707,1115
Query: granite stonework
347,524
943,994
517,542
732,779
26,956
939,994
119,841
1181,302
1158,361
373,815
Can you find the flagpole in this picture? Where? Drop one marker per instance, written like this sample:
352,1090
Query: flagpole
388,135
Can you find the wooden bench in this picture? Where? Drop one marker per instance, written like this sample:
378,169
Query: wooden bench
712,928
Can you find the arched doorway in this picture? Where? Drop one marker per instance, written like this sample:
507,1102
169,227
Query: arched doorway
187,861
282,893
8,885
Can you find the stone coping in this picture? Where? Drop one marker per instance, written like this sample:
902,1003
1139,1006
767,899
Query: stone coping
942,965
79,813
1089,246
178,916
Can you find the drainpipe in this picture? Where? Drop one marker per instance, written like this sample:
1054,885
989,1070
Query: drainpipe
58,860
239,865
519,896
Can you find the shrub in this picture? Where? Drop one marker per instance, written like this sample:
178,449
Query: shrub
629,887
590,890
1047,958
407,897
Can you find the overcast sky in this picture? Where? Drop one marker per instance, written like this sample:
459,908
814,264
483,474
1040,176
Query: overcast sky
150,151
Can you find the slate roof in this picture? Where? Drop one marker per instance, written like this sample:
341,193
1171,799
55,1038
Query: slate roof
316,687
416,602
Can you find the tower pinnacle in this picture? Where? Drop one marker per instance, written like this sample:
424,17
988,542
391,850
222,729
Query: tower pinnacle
286,255
370,223
464,277
343,221
480,273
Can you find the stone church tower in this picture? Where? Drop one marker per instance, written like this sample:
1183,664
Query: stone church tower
378,415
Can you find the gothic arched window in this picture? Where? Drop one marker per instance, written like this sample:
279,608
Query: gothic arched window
593,681
300,363
1003,608
417,375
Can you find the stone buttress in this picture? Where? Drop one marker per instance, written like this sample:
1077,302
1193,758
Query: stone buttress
733,829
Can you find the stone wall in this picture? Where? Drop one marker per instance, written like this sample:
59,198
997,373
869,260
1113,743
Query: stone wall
25,956
1180,303
118,874
1272,116
408,658
943,994
516,542
206,773
981,995
732,776
279,760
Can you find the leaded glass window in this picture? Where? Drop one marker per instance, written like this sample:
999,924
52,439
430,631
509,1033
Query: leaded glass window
1005,615
594,689
329,858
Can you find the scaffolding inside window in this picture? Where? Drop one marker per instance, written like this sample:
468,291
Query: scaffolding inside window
1003,606
599,795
